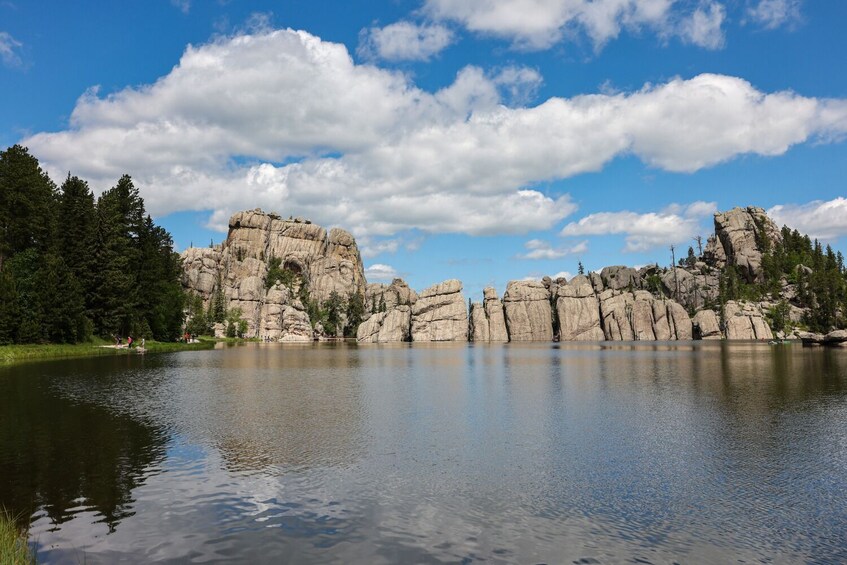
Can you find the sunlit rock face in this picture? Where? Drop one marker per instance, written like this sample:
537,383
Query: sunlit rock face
745,320
742,234
529,316
440,313
388,313
317,263
578,311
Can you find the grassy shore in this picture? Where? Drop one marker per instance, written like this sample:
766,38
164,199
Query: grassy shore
32,352
13,547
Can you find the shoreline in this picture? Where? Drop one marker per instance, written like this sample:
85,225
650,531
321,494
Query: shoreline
13,354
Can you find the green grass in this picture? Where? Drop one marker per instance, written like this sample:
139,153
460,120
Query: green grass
33,352
13,543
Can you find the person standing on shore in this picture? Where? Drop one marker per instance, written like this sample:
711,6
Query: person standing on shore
129,342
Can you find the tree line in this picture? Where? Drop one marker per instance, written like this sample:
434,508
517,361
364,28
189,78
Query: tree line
73,266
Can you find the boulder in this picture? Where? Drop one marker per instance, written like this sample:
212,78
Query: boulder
578,311
529,316
706,325
619,277
440,314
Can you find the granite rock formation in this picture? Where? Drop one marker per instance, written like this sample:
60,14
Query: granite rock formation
742,233
706,325
529,316
440,313
578,311
745,320
319,260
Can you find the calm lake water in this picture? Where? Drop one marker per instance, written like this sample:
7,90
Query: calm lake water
555,453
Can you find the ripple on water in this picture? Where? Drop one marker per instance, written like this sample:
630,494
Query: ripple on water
537,453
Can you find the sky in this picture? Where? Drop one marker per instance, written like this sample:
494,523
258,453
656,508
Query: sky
482,140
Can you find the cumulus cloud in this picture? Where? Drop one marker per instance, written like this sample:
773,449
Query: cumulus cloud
10,50
820,219
380,272
286,121
540,24
404,41
675,224
371,248
772,14
540,249
704,26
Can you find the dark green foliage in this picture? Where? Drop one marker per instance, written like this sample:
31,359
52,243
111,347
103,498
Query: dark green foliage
779,316
198,323
334,309
218,305
382,303
276,274
10,313
236,326
109,269
653,284
27,204
579,268
691,259
355,313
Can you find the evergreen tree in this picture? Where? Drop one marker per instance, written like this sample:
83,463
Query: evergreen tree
27,198
79,235
10,314
355,313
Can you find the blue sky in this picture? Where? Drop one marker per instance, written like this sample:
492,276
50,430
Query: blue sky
485,141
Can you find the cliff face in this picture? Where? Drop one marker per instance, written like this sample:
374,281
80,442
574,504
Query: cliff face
318,261
617,303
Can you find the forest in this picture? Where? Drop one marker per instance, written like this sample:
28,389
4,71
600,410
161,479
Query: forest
73,266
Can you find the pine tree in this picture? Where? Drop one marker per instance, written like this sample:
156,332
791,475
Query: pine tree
79,235
27,197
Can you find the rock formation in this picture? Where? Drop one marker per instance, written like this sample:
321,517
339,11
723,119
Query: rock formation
440,314
706,325
578,311
322,262
745,320
642,317
478,330
394,323
742,233
529,316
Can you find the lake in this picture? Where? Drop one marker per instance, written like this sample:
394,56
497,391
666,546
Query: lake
703,452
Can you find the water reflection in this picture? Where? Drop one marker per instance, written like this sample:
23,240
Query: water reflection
62,455
705,452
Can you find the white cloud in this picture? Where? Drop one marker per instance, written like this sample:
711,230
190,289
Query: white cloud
288,122
540,24
519,83
772,14
183,5
820,219
404,41
704,26
539,249
673,225
380,272
10,50
371,247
